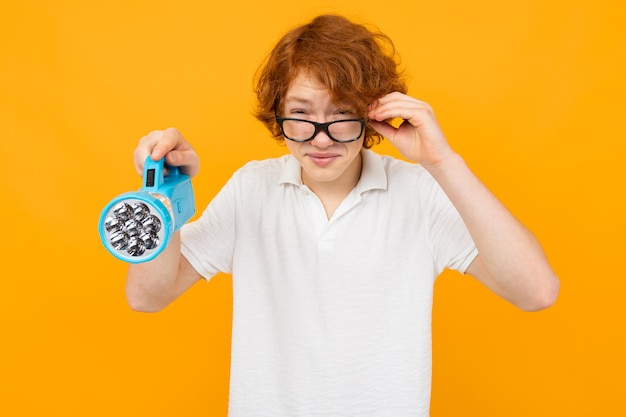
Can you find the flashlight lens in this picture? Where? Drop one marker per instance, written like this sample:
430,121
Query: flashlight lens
140,211
136,246
113,224
133,227
119,240
151,239
152,224
123,211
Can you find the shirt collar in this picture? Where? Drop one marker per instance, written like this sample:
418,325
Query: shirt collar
373,175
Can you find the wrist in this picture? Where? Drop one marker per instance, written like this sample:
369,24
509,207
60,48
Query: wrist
447,163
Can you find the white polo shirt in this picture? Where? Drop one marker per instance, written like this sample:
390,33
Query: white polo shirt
332,317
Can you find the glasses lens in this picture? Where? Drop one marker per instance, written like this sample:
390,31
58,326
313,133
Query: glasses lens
340,131
298,129
345,130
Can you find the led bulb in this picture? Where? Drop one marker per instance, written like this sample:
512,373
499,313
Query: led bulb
119,240
140,211
122,211
113,224
151,224
151,239
136,246
133,227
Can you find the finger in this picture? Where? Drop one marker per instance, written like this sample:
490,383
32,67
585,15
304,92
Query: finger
181,154
389,109
166,141
384,129
396,105
170,144
145,148
393,98
158,144
186,159
414,112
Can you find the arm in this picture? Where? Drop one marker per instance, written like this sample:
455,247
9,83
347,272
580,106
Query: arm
153,285
510,262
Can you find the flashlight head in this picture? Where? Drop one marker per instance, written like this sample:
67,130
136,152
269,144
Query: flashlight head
136,226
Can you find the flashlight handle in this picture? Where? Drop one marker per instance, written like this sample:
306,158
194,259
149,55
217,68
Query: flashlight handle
154,176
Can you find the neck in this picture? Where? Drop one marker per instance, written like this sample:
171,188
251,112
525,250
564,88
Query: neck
332,193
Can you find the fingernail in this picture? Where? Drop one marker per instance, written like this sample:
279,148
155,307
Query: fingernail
156,154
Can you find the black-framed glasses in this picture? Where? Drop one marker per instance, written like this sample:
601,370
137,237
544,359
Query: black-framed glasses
341,131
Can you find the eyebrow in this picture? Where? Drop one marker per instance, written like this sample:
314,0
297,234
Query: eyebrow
297,100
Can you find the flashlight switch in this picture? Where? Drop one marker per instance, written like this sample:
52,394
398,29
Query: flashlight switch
150,177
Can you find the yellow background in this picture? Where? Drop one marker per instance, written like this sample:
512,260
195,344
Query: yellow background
532,93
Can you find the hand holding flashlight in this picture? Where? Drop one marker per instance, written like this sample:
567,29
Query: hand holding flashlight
168,143
137,226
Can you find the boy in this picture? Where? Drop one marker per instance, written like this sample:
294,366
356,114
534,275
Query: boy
333,249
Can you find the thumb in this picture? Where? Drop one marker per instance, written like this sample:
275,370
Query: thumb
384,128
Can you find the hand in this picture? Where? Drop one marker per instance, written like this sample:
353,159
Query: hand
171,144
419,137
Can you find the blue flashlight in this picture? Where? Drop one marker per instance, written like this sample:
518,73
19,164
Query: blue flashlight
136,226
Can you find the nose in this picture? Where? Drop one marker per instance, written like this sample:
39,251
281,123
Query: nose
321,140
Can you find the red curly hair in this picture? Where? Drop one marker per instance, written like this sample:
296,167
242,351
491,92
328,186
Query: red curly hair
357,65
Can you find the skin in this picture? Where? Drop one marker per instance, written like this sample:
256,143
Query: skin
153,285
510,262
329,169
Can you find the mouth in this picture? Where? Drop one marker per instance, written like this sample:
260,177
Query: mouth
322,159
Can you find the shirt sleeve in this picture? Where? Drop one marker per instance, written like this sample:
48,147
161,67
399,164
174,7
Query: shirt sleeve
208,243
451,242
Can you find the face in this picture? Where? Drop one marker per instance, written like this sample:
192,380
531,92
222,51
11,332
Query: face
325,163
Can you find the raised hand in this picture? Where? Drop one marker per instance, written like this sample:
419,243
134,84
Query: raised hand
168,143
418,137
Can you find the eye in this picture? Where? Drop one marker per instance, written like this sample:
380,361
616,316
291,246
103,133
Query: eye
297,112
345,114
